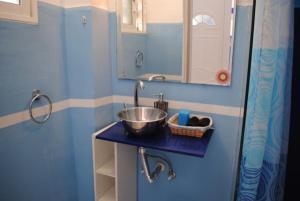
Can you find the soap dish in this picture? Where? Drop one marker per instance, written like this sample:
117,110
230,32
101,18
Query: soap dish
191,131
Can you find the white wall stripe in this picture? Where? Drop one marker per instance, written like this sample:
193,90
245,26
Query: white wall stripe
90,103
197,107
12,119
58,106
19,117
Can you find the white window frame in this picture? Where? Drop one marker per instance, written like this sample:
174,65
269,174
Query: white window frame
25,12
132,28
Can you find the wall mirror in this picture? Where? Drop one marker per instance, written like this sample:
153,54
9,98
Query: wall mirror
188,41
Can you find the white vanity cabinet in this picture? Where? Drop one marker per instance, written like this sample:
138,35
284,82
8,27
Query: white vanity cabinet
114,171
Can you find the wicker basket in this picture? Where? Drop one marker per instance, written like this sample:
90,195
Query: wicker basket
190,131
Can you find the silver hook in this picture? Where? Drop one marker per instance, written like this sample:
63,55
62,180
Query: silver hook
83,20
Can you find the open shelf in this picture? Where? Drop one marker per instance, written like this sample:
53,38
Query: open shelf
114,170
109,195
107,169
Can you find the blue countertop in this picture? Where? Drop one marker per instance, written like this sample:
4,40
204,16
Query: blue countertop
163,140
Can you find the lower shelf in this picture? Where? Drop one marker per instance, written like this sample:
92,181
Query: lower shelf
107,169
109,195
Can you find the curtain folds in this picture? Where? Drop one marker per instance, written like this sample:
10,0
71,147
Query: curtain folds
268,111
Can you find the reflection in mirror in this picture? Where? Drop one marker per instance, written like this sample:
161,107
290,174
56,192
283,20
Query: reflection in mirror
183,40
211,40
157,47
127,12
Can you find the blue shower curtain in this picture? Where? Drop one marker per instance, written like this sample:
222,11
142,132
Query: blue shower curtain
267,120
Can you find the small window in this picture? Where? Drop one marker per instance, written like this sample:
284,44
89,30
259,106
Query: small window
12,1
133,16
203,19
127,12
19,10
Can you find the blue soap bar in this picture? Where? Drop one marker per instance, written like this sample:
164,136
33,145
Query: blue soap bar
183,117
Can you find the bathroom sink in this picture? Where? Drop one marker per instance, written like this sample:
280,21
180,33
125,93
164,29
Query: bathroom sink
142,121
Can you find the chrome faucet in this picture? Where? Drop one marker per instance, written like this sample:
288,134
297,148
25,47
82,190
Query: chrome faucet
138,85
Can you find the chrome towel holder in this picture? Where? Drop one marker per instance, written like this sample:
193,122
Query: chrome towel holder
36,95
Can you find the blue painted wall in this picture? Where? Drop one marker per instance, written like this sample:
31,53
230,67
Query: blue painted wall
37,161
213,177
101,64
87,53
84,123
164,48
131,43
161,45
32,57
78,52
89,75
65,60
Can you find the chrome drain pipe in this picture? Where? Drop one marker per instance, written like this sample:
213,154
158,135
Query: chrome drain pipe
159,167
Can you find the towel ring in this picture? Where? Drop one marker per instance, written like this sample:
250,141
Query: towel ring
139,59
36,95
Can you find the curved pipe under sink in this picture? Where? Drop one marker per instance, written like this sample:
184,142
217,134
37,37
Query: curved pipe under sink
159,167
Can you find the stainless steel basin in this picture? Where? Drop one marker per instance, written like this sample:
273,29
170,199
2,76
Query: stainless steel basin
141,121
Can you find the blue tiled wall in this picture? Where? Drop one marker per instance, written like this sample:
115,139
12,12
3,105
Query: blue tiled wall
161,45
89,75
101,64
131,43
87,54
37,161
164,48
84,123
32,57
65,59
